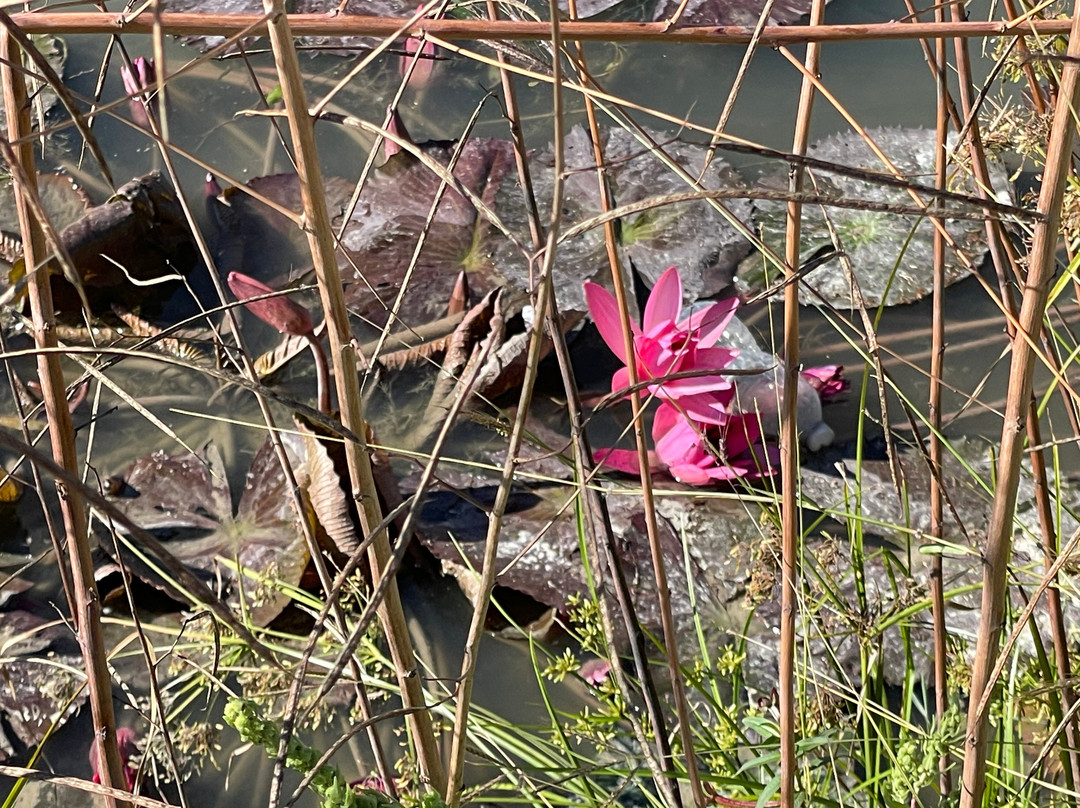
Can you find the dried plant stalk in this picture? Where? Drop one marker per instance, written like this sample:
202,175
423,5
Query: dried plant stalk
937,367
321,242
196,24
86,608
999,534
789,438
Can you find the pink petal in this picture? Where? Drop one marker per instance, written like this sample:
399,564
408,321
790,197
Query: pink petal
595,671
828,380
624,460
710,323
691,475
705,408
620,382
677,440
721,472
742,432
605,313
664,302
714,358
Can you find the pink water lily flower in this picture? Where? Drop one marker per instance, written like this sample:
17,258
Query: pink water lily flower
125,741
699,454
828,380
665,346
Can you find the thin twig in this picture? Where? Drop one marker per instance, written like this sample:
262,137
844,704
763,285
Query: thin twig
936,450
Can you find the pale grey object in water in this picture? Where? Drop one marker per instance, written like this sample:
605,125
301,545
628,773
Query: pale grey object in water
762,392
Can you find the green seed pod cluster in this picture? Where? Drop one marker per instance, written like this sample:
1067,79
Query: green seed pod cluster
242,715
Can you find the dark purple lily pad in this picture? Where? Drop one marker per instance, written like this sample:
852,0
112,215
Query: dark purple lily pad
540,536
382,233
187,498
690,235
392,212
257,240
733,12
41,666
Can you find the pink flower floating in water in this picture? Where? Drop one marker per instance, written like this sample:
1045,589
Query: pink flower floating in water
666,347
828,380
697,438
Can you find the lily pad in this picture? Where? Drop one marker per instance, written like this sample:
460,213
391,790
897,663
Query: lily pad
63,199
540,537
690,235
41,669
370,8
876,242
393,211
733,12
257,240
187,499
381,235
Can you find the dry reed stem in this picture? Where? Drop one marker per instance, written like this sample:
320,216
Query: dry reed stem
937,367
196,24
1002,254
662,764
789,436
321,243
86,606
999,533
544,294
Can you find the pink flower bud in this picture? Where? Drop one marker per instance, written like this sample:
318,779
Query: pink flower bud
139,80
284,314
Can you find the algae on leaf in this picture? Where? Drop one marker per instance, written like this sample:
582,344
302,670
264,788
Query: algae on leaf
891,253
690,235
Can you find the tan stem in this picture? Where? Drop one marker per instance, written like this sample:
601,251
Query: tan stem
319,231
196,24
789,438
1041,265
86,608
937,367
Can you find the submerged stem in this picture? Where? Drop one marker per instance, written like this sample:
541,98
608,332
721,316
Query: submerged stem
322,372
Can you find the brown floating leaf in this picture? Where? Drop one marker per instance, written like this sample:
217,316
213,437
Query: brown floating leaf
188,497
41,683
